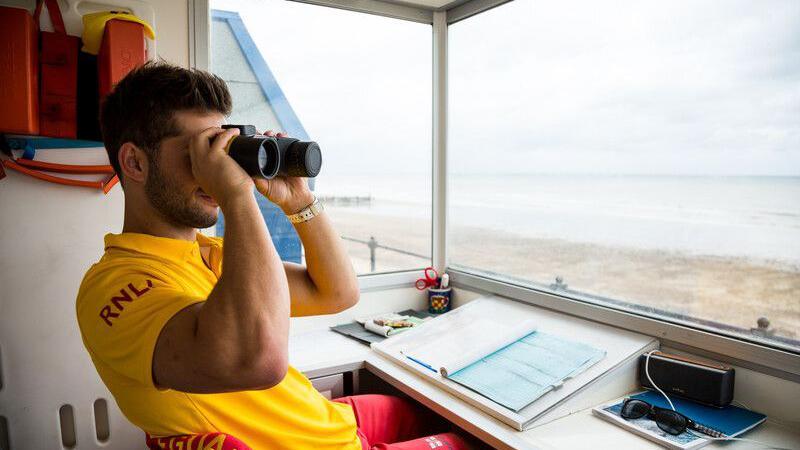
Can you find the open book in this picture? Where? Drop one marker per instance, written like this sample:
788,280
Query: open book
476,351
512,366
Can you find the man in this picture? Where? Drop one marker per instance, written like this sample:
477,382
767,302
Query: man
187,345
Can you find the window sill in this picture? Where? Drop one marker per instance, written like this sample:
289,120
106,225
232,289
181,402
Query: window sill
780,362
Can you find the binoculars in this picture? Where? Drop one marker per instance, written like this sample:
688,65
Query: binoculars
269,157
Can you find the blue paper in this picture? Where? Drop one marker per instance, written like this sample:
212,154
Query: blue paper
520,373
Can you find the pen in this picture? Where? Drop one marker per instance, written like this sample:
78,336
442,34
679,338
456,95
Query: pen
421,363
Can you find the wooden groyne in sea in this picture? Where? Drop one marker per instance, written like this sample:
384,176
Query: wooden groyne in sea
336,200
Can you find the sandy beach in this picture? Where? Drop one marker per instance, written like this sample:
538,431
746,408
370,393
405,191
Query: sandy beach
734,291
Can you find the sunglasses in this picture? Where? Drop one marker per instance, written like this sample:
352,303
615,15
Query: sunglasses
669,421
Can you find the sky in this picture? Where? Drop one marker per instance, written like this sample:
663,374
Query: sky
688,87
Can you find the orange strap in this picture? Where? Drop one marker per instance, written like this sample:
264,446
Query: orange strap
55,15
28,166
63,168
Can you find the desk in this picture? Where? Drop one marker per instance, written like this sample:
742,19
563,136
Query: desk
322,353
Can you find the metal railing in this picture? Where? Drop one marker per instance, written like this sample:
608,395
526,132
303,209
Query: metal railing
373,245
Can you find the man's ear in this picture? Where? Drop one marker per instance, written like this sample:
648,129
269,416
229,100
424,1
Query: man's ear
133,162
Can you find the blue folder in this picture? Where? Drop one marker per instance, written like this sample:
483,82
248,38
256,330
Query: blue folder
730,420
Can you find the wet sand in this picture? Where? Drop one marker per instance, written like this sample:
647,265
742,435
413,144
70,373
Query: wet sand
734,291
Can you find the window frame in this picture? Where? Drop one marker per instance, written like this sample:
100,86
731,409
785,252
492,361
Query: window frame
692,337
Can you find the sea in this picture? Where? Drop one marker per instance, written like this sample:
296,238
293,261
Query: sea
751,217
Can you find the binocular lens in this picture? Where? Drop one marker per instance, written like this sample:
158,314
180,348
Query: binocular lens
268,157
303,159
256,158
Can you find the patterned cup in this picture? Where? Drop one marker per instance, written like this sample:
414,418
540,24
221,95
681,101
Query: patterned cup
439,300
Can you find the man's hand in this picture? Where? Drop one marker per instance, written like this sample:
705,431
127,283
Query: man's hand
216,172
291,194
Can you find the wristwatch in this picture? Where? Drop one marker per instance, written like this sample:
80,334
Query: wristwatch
307,213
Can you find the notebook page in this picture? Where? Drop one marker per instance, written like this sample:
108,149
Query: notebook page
448,343
489,344
522,372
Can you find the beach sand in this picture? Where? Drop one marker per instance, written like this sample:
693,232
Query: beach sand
733,291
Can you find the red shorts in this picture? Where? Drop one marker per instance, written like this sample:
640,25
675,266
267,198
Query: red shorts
386,422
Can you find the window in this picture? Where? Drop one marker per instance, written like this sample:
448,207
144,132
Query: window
644,155
360,86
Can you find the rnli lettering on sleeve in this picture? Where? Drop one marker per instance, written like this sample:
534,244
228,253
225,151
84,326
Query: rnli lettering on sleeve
124,301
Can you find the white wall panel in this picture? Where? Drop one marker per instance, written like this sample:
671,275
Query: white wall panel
49,236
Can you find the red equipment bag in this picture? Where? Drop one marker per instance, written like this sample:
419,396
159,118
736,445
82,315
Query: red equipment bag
19,80
122,50
58,59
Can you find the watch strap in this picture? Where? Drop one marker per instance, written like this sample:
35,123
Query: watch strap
307,213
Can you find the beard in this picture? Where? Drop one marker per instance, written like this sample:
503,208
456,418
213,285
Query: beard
175,206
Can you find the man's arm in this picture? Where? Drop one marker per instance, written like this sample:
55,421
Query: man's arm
328,283
238,338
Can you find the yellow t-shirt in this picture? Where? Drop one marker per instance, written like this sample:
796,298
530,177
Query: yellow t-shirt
124,301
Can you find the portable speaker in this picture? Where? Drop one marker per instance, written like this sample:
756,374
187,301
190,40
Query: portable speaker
700,381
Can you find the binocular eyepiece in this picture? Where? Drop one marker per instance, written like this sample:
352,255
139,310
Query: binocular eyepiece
268,156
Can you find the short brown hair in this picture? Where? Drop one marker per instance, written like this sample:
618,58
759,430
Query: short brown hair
142,105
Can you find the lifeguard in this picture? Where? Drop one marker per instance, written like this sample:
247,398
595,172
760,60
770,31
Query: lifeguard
188,345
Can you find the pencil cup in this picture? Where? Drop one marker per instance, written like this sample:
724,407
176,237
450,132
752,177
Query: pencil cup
439,300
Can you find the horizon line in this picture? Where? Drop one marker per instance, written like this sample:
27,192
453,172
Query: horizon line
581,174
